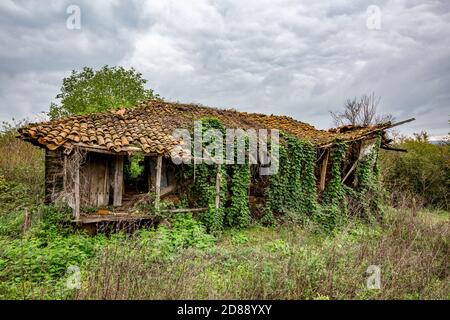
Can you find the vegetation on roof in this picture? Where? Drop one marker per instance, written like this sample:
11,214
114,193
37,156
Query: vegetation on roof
149,126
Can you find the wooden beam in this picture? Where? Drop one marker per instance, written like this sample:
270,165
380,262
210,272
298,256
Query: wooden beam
400,123
370,132
98,149
218,179
76,190
323,170
158,182
393,149
350,171
118,181
104,150
362,151
110,218
185,210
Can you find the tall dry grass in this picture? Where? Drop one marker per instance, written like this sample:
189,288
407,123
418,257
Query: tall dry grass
21,162
411,249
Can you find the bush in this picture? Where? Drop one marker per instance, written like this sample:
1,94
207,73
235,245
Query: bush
422,173
185,232
15,199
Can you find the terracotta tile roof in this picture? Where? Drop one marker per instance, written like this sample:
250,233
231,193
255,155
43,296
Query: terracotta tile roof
148,127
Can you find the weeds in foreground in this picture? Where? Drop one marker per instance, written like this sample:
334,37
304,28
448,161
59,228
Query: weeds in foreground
287,262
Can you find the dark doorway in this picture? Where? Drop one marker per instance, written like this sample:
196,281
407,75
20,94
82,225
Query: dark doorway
135,175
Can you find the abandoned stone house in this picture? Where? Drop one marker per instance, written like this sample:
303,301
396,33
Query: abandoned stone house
87,157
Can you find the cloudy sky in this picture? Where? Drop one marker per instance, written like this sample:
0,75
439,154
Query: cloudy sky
299,58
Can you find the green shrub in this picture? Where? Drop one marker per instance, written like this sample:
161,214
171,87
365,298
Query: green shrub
37,260
422,173
15,199
185,232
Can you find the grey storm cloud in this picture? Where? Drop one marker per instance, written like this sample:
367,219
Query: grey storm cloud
299,58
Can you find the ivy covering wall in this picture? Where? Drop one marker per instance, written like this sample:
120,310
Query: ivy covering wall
292,192
234,210
367,187
334,204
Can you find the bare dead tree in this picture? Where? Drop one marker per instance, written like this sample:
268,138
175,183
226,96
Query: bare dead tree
360,111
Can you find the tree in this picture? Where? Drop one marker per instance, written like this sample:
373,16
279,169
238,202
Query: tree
108,88
360,112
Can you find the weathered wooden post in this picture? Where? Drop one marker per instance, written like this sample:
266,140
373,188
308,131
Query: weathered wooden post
65,173
118,181
158,182
323,170
218,180
76,188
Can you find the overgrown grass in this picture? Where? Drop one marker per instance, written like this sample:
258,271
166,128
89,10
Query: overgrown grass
286,262
182,261
21,162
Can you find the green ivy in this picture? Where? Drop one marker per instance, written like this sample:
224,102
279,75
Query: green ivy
334,203
238,214
335,192
204,185
293,190
367,188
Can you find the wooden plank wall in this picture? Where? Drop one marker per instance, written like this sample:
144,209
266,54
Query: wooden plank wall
95,180
54,174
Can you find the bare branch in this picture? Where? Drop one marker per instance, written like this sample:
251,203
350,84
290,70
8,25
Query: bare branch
360,112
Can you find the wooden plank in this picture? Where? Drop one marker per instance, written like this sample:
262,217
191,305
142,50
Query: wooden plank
323,171
351,170
370,132
118,181
400,123
218,179
95,219
127,217
104,150
106,184
364,146
158,182
65,174
185,210
393,149
76,191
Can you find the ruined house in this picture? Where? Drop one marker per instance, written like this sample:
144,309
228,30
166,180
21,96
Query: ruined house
87,157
